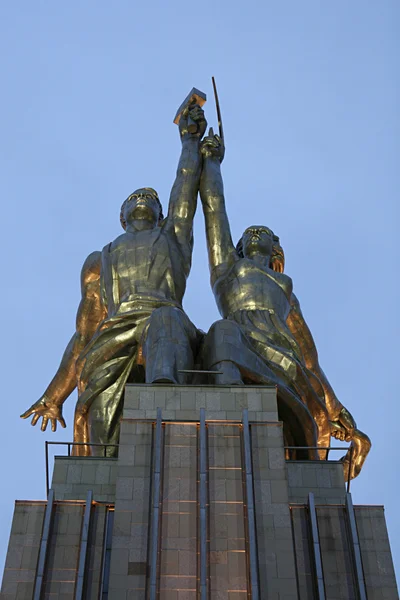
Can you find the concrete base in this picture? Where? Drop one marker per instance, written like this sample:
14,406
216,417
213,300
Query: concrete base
104,539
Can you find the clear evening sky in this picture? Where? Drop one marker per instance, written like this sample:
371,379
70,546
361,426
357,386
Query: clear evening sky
309,92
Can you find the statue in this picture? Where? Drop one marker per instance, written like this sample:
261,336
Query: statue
131,327
130,321
263,337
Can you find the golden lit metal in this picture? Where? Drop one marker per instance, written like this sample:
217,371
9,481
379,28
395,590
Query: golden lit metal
263,337
130,324
131,327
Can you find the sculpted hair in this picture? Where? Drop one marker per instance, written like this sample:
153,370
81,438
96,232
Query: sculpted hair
151,191
277,250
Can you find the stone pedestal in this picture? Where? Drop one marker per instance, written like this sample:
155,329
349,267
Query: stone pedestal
163,522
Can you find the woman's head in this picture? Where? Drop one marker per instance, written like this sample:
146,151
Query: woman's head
262,240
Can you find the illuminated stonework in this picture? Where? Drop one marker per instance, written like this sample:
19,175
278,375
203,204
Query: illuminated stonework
112,529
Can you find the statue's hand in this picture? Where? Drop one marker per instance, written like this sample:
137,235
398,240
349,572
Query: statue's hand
196,114
47,410
339,432
343,428
348,423
213,146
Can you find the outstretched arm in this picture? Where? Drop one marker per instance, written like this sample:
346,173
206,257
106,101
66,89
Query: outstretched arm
343,424
221,251
90,314
183,198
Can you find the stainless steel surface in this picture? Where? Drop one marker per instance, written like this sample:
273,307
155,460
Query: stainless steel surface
46,453
250,510
80,580
220,126
316,547
195,96
48,515
130,324
327,448
131,327
105,567
349,455
201,371
356,547
263,337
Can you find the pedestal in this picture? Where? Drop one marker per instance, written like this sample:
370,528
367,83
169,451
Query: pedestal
200,504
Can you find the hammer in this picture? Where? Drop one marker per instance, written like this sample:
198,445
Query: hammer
193,98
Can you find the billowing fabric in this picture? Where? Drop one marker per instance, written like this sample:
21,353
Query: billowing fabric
136,335
262,347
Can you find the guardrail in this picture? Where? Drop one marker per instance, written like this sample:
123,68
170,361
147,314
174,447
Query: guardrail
105,446
328,449
70,445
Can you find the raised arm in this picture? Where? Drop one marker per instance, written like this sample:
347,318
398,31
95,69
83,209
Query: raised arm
183,198
221,251
90,314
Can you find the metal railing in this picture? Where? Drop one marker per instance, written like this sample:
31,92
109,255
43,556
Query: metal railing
231,421
328,449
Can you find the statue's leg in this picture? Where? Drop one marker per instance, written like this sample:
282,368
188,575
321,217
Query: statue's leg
104,422
99,407
291,372
220,348
227,373
99,425
168,347
226,348
104,401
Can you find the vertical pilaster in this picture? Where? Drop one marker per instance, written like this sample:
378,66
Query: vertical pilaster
356,548
83,549
106,558
44,546
250,509
316,547
203,501
156,508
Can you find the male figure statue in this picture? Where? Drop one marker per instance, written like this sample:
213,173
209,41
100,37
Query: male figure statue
263,337
130,320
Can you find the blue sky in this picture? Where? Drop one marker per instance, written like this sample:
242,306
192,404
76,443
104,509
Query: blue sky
309,92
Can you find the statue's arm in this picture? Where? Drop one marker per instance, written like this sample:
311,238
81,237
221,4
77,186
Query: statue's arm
221,251
90,314
183,197
302,334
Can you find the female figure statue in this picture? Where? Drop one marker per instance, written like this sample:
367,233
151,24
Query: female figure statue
263,337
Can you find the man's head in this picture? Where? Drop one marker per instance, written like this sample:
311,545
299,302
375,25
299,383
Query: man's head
143,204
259,239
